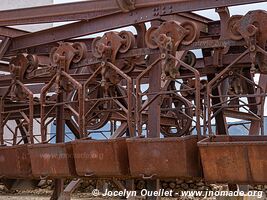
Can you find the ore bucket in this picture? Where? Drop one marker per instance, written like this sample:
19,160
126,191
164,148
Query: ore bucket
164,157
234,159
52,160
101,158
15,162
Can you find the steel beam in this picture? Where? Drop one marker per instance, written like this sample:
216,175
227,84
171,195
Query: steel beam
23,132
154,108
73,127
6,80
4,45
107,22
57,13
4,67
60,136
35,88
256,125
69,11
11,32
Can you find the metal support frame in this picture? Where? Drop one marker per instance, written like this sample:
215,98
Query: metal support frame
26,112
101,80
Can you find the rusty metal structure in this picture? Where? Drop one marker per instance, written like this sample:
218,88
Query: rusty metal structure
169,110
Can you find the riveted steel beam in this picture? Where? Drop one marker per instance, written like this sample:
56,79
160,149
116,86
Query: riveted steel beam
105,23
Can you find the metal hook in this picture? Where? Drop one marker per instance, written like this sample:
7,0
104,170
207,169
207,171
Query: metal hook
147,177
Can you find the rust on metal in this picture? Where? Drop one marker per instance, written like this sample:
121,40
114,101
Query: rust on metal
234,159
178,157
144,85
15,162
101,158
52,160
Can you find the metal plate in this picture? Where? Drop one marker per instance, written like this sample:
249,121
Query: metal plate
101,158
52,160
164,158
15,162
234,159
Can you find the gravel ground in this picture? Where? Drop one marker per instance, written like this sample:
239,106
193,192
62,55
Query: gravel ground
45,194
38,194
23,197
34,197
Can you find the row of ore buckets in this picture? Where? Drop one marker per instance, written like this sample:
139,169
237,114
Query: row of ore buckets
232,159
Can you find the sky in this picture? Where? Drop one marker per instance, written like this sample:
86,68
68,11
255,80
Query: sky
210,13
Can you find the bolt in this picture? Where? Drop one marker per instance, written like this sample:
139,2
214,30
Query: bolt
103,64
252,48
163,55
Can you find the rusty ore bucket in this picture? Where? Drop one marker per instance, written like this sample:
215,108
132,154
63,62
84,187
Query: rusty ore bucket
234,159
52,160
101,158
15,162
164,157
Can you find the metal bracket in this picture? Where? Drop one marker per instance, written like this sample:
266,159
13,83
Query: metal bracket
126,5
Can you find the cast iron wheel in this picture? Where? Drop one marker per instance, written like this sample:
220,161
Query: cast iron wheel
177,107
